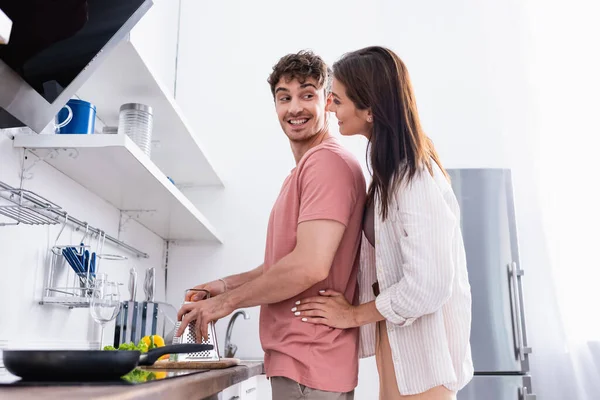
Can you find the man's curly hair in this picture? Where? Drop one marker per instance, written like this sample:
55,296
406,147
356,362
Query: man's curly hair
301,66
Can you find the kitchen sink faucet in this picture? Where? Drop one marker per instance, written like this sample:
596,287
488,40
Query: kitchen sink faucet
231,348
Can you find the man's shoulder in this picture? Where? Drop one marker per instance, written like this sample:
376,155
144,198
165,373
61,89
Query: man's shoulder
332,153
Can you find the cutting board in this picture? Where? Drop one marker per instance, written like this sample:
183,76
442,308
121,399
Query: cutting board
222,363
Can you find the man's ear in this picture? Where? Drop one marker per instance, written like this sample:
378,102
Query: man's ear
328,101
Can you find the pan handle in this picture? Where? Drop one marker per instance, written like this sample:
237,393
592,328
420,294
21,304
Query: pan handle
153,355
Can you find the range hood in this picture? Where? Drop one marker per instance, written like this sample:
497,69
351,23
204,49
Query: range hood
54,47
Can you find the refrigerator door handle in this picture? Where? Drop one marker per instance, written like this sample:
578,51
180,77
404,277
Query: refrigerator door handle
524,395
524,348
515,310
515,273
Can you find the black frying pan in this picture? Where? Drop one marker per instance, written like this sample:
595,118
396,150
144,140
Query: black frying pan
86,365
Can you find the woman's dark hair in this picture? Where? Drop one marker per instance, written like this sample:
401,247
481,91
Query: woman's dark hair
376,78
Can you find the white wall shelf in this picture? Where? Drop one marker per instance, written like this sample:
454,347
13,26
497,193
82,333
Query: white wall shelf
124,77
114,168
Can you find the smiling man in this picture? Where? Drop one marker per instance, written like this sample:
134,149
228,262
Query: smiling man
313,241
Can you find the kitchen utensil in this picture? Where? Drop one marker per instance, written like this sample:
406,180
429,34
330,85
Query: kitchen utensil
155,319
85,258
80,253
125,329
73,260
222,363
135,121
93,265
132,284
85,365
134,304
144,330
149,308
136,322
119,326
149,284
189,336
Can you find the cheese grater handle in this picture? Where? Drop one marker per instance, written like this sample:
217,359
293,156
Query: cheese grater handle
197,290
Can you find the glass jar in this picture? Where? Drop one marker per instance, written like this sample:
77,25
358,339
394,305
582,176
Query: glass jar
135,121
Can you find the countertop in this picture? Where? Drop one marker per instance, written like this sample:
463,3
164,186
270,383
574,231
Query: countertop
189,387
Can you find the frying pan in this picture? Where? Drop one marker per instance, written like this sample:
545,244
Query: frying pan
86,365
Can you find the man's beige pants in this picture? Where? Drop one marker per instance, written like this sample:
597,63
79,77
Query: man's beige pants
287,389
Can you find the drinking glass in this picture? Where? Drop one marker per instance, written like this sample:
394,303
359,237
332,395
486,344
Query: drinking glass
105,302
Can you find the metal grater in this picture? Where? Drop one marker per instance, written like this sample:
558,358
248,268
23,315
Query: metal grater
189,336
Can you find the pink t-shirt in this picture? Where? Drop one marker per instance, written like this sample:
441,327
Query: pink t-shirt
327,184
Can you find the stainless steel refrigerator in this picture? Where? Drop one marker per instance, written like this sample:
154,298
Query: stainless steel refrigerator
498,333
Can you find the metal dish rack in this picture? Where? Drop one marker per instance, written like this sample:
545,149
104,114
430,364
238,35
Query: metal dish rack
24,206
72,271
64,285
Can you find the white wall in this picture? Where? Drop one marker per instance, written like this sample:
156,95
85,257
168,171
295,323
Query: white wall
155,37
469,62
24,252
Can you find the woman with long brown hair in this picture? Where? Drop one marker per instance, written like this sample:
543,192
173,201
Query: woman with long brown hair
415,299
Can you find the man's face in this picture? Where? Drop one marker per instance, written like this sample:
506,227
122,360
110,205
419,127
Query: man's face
300,108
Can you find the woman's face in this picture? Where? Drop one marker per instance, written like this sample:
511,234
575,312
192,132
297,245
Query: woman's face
351,120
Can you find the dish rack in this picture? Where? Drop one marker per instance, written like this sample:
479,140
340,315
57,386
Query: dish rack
72,268
25,207
64,286
72,272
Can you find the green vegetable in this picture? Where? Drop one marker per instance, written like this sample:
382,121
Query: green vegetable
127,346
141,346
139,375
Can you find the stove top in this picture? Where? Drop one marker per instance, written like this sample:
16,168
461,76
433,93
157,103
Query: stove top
135,377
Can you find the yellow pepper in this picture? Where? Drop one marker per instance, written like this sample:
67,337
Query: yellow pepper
153,342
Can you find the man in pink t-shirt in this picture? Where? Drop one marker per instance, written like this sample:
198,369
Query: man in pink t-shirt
313,243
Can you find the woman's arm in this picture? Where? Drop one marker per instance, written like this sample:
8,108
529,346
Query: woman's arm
332,309
425,226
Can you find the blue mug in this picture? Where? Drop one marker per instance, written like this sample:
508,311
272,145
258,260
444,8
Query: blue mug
77,116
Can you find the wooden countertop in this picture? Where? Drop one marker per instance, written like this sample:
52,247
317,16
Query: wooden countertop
189,387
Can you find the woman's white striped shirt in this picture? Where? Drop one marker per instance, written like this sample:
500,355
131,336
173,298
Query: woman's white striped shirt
419,262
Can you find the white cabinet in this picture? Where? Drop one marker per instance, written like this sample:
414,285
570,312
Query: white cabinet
155,38
231,393
249,389
246,390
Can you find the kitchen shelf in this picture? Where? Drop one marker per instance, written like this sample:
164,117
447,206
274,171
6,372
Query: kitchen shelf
114,168
124,77
71,302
